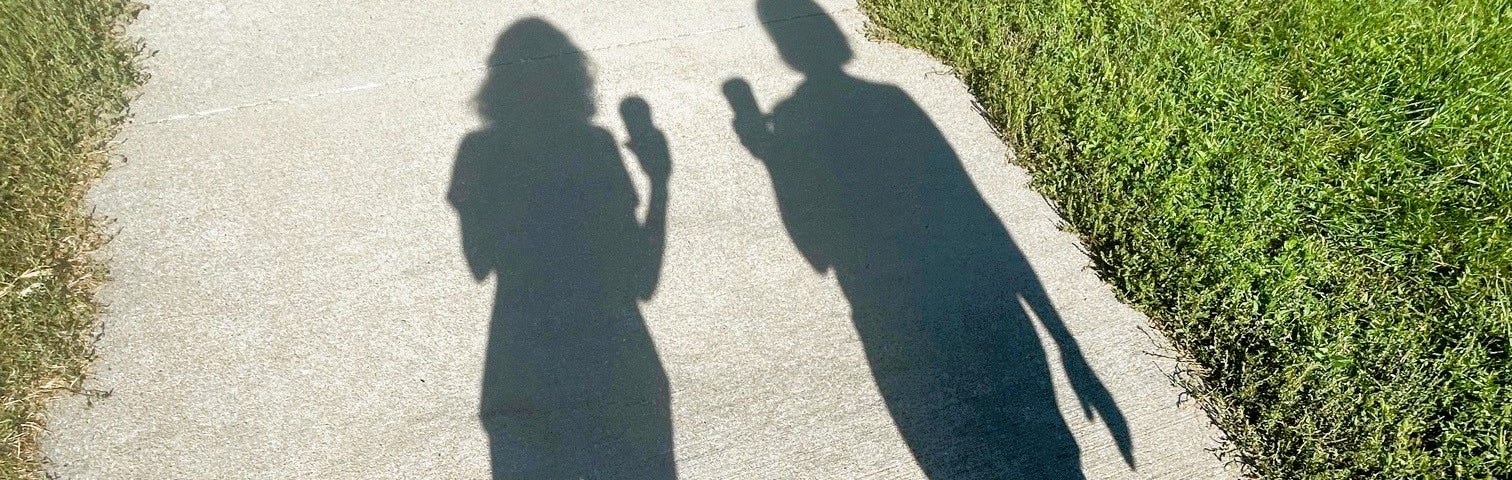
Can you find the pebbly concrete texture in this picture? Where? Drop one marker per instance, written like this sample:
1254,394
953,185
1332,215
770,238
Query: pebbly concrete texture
294,294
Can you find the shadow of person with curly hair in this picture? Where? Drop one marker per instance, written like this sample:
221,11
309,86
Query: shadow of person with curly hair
572,385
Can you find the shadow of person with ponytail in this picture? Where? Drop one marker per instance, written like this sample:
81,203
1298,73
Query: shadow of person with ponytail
943,299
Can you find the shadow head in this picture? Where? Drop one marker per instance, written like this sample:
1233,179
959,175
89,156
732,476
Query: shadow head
534,73
813,45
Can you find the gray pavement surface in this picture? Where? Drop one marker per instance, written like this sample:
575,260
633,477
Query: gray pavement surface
347,228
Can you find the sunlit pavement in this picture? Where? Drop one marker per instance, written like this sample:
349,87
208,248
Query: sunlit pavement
292,295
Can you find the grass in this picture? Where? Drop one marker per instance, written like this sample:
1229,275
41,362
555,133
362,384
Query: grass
64,74
1311,198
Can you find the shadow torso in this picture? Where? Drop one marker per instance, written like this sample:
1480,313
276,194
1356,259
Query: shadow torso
869,187
572,383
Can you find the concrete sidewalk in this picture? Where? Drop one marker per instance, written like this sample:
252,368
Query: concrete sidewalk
294,293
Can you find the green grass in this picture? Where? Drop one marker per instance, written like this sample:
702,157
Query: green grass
64,75
1309,197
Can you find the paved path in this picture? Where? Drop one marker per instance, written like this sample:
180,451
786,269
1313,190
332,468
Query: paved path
345,228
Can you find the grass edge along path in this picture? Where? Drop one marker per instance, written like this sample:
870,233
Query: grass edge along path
1311,198
66,70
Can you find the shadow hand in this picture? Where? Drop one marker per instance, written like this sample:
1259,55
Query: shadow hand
647,142
1097,401
750,124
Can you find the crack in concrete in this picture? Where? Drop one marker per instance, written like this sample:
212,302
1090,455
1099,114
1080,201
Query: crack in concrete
421,78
